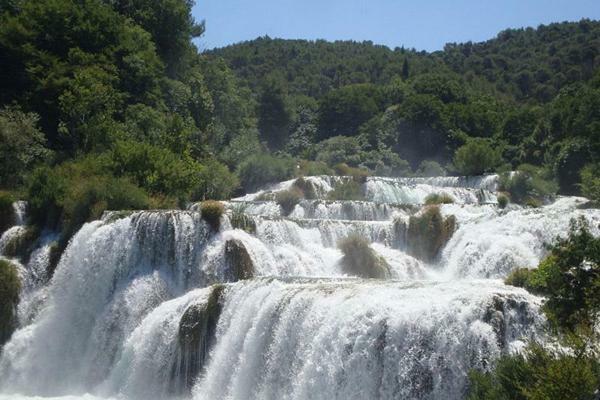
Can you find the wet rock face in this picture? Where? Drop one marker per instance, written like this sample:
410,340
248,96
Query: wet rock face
238,262
9,298
428,233
197,330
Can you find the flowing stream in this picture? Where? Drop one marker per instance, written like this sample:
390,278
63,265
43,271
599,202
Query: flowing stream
160,305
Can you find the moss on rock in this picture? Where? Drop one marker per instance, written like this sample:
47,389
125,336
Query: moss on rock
238,262
21,243
428,233
197,329
240,220
361,260
306,187
10,286
288,199
438,198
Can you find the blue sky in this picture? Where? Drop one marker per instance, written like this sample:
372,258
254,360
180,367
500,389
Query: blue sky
422,24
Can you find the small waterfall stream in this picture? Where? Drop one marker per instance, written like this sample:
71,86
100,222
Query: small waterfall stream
157,304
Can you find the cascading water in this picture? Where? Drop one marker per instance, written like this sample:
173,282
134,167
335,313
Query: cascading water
157,304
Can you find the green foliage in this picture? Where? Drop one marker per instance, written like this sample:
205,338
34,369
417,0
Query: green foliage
155,169
503,200
429,232
10,287
521,277
590,182
360,259
22,145
339,149
274,116
261,169
342,111
429,168
211,212
570,279
347,190
536,374
437,198
313,168
359,175
6,211
476,157
79,191
287,199
214,181
528,185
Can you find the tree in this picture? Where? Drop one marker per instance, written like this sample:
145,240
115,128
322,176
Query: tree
405,69
22,145
274,116
343,111
476,157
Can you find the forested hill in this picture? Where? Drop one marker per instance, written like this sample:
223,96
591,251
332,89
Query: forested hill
524,63
532,94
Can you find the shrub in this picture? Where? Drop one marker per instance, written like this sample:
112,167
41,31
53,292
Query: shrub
288,199
157,170
520,277
240,220
349,190
306,187
590,182
537,373
476,157
88,198
340,149
215,181
502,200
261,169
360,259
6,211
529,184
211,212
438,198
430,168
313,168
429,232
10,287
358,174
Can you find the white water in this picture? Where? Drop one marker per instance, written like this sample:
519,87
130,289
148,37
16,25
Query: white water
108,323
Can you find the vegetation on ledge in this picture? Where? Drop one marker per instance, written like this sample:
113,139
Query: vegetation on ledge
429,232
360,259
211,212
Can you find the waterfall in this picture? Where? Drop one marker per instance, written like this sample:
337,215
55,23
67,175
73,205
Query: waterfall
157,304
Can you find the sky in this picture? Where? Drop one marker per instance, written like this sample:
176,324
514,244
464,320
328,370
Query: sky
421,24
